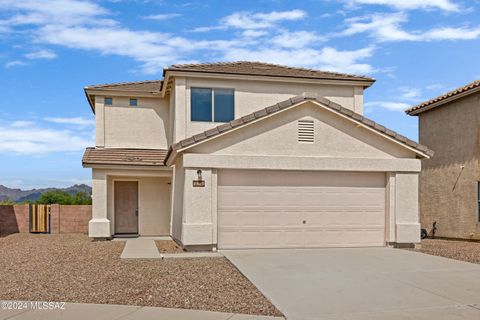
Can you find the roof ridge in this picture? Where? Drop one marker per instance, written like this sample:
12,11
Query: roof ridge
306,96
448,94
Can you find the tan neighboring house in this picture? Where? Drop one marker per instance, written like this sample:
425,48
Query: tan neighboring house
449,182
250,155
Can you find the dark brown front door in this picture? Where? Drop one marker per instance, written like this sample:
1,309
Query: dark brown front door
126,206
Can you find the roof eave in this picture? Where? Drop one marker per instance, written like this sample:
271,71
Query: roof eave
413,112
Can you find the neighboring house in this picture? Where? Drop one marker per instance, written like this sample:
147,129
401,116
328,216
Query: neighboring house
250,155
449,182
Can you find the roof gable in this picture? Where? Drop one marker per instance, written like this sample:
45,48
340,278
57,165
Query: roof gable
292,102
283,134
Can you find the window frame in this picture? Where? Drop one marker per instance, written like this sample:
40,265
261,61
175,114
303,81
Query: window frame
130,102
105,101
212,118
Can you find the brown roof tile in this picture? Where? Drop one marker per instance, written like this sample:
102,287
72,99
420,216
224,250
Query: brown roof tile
419,108
142,86
264,69
288,103
124,156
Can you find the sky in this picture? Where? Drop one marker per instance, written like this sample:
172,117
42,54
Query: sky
51,49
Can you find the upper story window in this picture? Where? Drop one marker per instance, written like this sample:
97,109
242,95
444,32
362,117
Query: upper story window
215,104
108,101
133,102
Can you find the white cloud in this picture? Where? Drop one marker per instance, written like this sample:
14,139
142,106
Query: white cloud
22,123
383,27
254,33
41,54
389,105
208,29
77,121
410,94
296,39
31,140
445,5
162,16
387,27
250,20
59,12
15,63
448,33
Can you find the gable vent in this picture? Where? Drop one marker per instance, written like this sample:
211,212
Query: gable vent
306,131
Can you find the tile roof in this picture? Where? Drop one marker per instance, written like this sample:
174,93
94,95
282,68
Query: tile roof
142,86
124,156
288,103
264,69
466,89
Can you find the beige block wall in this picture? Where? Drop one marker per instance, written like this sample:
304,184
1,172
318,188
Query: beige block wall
448,182
251,96
122,126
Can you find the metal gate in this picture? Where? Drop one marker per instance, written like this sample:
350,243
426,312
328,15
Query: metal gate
39,218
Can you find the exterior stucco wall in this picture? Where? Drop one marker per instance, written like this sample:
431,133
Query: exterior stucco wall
178,185
335,137
199,208
153,201
123,126
251,96
448,182
405,204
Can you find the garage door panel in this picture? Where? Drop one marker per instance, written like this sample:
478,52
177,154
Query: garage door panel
276,212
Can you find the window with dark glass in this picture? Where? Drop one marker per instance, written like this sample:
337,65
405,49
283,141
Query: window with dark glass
223,105
201,102
108,101
215,104
133,102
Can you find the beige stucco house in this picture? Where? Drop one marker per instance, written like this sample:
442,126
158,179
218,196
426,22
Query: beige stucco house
250,155
449,182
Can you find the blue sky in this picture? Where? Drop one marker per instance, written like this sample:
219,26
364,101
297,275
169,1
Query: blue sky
51,49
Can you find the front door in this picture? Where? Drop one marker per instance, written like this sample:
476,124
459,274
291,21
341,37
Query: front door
126,207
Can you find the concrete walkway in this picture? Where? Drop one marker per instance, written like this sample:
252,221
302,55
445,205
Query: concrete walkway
82,311
140,248
362,283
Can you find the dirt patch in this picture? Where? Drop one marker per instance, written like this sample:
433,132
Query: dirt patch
73,268
168,246
459,250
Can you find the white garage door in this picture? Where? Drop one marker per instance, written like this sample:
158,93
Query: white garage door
274,209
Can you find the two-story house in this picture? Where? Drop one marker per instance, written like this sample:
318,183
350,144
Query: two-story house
450,181
250,155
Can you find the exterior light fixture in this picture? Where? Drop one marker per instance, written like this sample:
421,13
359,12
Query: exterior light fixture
199,182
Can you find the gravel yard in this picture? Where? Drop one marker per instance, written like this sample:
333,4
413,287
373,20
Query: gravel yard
168,246
72,268
458,250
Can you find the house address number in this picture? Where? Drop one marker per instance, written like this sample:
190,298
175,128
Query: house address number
198,183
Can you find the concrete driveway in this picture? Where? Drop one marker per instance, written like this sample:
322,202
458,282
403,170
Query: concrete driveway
362,283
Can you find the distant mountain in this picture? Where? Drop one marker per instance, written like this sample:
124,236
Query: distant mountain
19,195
